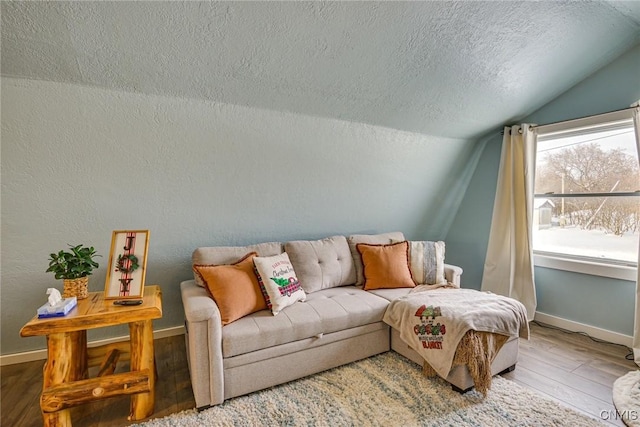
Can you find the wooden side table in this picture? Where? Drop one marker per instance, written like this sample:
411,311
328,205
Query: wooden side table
68,359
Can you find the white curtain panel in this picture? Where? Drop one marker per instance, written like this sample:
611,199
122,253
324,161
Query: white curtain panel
636,328
508,267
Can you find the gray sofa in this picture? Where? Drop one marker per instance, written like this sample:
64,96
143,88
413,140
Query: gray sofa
337,324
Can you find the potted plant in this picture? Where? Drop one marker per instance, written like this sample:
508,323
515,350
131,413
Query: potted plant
74,267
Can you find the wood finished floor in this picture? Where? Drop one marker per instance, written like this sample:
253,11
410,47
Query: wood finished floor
571,369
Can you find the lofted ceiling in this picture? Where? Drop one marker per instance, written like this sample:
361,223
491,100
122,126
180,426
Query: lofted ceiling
448,68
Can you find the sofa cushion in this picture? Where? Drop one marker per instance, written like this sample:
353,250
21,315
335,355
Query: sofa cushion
322,264
325,311
278,281
376,239
218,255
386,266
391,294
234,288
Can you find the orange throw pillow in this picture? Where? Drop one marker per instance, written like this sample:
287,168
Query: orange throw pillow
386,266
234,288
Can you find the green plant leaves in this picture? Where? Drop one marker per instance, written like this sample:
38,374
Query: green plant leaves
79,262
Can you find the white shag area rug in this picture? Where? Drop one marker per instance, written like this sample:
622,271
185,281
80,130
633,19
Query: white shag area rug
384,390
626,398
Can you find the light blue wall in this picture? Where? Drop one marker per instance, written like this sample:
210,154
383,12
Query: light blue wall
596,301
216,174
79,162
592,300
468,236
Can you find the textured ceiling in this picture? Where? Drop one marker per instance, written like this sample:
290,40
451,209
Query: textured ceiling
451,68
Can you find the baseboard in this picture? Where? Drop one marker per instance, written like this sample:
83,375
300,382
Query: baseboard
570,325
29,356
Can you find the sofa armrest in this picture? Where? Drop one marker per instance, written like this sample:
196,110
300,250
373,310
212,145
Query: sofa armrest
198,305
203,328
452,273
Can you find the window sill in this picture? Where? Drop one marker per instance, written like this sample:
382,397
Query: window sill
586,267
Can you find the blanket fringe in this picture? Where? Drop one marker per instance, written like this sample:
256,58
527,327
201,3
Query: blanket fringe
476,350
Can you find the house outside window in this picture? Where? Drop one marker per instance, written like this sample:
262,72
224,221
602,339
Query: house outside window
587,196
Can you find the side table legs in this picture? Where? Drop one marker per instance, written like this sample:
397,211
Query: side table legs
67,364
142,357
66,361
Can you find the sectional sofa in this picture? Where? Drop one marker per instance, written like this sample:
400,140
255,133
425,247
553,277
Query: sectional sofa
337,323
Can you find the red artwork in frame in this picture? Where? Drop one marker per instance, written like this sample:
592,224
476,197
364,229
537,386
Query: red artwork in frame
127,264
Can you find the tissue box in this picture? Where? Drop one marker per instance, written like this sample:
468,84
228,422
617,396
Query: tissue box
62,308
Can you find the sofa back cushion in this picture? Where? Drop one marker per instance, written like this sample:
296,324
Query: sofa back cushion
322,264
375,239
218,255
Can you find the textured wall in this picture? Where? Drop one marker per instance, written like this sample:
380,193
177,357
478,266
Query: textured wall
79,162
571,296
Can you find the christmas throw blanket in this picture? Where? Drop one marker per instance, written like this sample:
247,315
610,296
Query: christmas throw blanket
433,322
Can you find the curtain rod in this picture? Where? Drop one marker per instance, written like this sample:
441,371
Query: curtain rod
634,106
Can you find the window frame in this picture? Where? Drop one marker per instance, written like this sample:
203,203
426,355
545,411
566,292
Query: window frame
576,263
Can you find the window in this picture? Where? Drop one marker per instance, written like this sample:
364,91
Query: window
587,193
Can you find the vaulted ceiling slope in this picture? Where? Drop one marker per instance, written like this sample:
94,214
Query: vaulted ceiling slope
450,68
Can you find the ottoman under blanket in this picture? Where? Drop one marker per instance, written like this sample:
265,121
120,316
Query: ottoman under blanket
435,324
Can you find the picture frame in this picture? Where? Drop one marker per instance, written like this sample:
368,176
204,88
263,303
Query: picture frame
127,264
